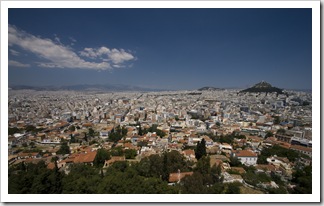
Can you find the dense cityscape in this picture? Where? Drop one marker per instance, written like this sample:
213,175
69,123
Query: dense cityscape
210,140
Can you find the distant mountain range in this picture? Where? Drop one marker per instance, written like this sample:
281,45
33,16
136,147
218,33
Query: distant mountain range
85,87
210,89
262,87
259,87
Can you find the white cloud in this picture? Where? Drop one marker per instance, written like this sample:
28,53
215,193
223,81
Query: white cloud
120,56
17,64
117,57
60,56
57,39
118,66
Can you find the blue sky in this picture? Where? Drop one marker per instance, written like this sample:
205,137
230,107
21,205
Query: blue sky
161,48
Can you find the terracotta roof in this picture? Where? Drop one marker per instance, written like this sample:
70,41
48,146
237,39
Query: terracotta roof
87,124
266,167
174,177
255,138
245,153
241,170
215,162
51,165
114,159
85,157
283,144
189,152
128,144
29,154
301,148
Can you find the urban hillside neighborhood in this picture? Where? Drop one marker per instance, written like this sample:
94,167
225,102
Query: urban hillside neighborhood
202,141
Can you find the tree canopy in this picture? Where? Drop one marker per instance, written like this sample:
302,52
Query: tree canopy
200,149
64,149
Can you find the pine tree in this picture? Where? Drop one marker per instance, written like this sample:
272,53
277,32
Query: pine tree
201,149
165,174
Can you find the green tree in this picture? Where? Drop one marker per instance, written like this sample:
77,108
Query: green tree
233,188
130,153
72,128
303,178
234,161
13,130
279,151
35,179
216,173
64,149
85,136
281,131
268,134
101,157
140,131
32,144
72,138
154,128
91,132
276,120
165,172
193,184
176,161
203,165
201,149
82,179
117,151
30,128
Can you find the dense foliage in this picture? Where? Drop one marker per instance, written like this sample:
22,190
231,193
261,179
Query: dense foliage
200,150
64,149
145,177
279,151
13,130
34,178
302,177
149,176
101,157
117,134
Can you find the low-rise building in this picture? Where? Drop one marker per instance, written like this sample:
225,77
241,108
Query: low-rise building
246,157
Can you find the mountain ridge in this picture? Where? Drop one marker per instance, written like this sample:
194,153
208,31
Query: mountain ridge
262,87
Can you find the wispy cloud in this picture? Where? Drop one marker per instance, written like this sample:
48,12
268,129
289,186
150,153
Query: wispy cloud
73,41
17,64
58,55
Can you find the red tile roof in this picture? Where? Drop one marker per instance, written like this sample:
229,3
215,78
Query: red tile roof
189,152
266,167
245,153
301,148
174,177
241,170
51,165
85,157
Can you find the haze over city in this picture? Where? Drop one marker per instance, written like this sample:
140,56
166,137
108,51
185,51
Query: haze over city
176,49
